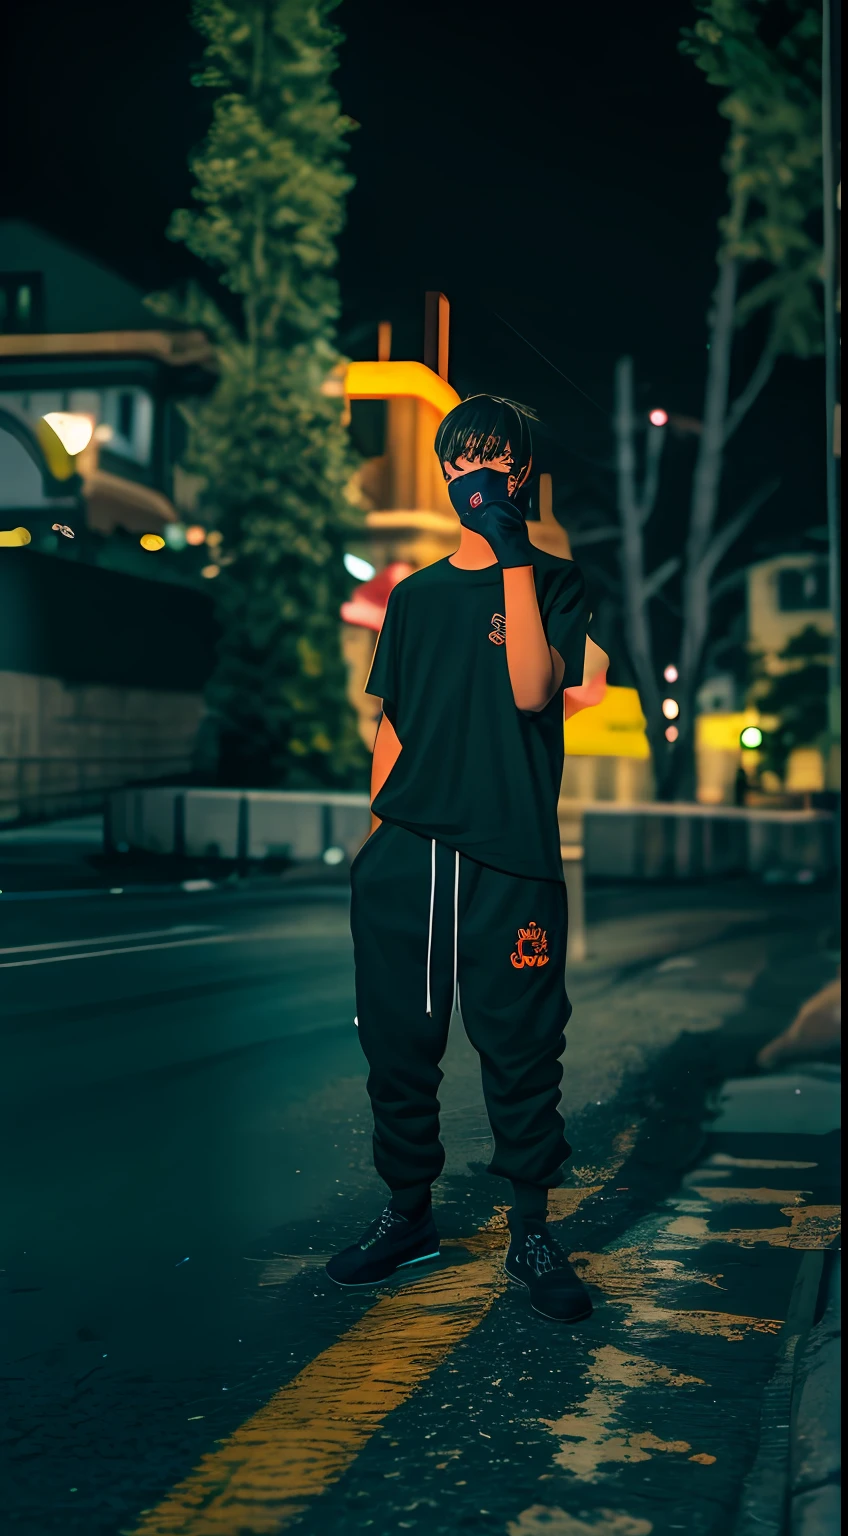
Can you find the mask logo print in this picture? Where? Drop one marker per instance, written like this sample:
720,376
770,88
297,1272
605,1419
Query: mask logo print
531,948
497,633
476,500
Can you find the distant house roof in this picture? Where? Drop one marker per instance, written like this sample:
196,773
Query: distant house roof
78,293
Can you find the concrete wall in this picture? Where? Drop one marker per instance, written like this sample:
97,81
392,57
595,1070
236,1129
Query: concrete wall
61,743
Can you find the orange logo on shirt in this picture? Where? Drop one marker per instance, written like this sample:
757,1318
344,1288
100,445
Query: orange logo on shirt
532,944
497,634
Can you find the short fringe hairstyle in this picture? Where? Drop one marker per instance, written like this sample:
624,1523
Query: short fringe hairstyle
482,427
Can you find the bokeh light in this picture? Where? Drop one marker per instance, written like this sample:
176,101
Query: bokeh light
175,535
670,708
360,570
195,534
751,738
671,673
210,571
671,733
73,430
152,541
658,418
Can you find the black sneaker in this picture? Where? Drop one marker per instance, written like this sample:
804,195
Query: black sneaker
391,1242
538,1261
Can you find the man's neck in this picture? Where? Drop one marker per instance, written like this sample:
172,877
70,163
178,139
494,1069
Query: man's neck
474,552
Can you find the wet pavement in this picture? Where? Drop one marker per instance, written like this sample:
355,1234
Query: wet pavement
186,1137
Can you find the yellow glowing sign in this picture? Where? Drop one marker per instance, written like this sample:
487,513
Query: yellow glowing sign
613,728
384,381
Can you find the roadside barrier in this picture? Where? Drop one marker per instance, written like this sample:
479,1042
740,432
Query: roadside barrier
641,842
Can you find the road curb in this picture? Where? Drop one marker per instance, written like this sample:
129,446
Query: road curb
763,1501
814,1464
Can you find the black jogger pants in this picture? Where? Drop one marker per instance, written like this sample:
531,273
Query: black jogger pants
428,924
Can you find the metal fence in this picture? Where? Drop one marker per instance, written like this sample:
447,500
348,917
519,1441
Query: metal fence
34,788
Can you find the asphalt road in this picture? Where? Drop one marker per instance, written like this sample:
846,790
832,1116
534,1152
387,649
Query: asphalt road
184,1136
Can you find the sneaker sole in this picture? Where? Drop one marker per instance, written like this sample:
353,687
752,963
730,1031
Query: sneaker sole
364,1285
551,1317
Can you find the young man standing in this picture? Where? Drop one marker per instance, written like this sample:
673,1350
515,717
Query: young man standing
457,896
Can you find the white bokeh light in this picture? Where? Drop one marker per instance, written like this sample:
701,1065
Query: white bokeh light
74,431
670,708
360,570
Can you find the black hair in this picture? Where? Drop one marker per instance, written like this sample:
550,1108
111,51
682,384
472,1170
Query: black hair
481,427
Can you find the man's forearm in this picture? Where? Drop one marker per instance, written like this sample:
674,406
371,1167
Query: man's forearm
386,752
528,654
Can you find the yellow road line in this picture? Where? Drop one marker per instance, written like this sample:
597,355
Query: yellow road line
724,1194
261,1478
809,1227
631,1277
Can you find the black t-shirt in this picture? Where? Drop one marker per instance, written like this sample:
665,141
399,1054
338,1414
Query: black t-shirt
474,771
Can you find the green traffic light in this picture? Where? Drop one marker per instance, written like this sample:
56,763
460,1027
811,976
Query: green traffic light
751,738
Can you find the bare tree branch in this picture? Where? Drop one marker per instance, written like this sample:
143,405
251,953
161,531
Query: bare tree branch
653,459
745,399
603,578
658,578
728,535
727,584
593,536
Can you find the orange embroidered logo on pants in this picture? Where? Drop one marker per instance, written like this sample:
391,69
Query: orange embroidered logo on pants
531,948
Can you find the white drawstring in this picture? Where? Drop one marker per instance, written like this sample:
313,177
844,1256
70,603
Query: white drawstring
432,903
455,926
455,931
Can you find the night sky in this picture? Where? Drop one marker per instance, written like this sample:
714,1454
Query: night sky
555,166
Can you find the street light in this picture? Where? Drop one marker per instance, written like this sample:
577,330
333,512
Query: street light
751,738
670,708
72,429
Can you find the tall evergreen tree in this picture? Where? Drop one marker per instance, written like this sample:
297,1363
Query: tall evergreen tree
269,443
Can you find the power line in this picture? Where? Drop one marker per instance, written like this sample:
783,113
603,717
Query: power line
551,365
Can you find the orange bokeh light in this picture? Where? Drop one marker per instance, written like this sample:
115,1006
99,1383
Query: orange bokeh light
195,534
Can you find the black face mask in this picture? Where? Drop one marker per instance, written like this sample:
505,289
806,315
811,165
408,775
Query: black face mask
477,488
